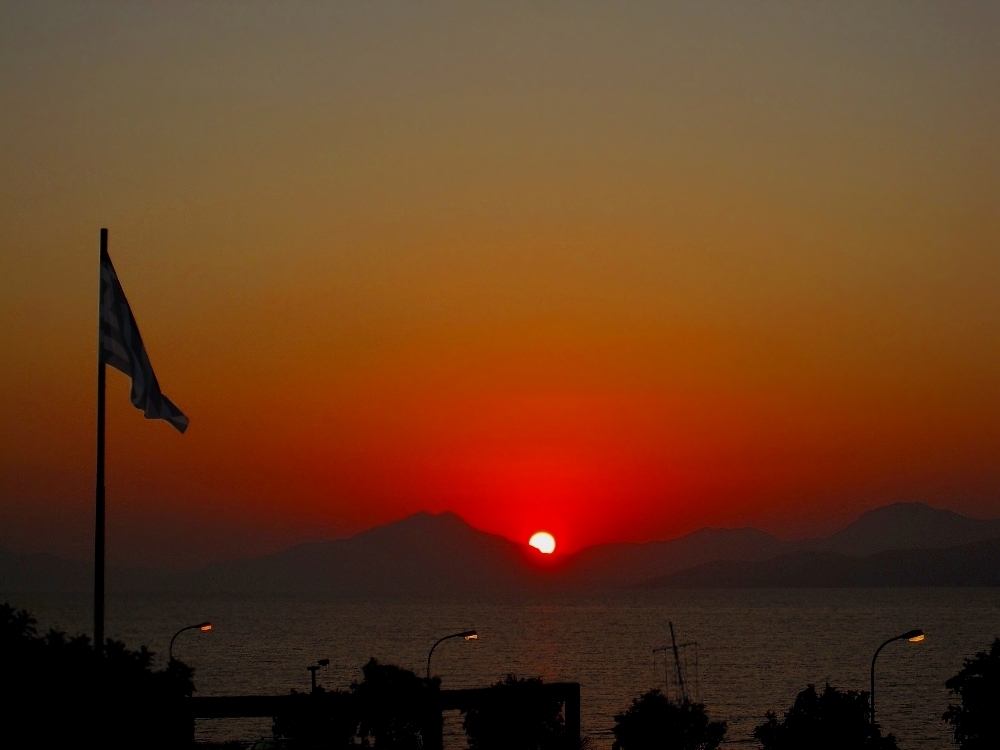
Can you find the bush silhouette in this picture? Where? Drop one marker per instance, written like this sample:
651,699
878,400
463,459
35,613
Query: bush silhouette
977,720
655,721
519,715
56,690
395,707
833,720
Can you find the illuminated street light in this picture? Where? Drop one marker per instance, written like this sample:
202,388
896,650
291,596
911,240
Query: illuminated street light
913,636
469,635
203,627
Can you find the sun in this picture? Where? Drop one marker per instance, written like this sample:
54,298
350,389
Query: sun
544,542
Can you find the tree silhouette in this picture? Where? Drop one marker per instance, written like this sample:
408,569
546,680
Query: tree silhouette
57,690
833,720
977,720
519,715
655,721
395,707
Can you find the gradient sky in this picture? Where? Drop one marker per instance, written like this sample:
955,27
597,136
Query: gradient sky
613,270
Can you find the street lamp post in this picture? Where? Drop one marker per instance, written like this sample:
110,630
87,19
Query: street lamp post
913,636
315,668
204,627
469,635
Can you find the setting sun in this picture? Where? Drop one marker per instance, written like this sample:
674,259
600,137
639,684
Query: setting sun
544,542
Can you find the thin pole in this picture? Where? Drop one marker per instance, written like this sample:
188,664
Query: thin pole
872,694
99,493
677,663
431,652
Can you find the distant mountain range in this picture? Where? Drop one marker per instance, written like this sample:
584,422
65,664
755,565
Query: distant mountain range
976,564
906,526
423,553
906,544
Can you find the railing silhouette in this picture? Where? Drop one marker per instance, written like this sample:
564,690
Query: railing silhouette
251,706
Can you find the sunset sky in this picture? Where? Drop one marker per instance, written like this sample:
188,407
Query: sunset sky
612,270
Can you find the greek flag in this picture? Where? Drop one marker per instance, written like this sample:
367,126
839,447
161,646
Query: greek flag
121,347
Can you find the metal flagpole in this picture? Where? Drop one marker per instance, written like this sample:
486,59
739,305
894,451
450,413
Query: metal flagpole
99,515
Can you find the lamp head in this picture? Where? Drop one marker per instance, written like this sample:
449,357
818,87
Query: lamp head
470,635
915,636
324,662
205,627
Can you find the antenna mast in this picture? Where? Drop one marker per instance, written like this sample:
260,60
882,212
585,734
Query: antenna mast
677,663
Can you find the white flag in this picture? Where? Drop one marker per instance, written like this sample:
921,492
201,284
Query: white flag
121,347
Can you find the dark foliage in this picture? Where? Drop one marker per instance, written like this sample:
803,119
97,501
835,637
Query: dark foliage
833,720
395,707
520,715
56,690
655,721
977,720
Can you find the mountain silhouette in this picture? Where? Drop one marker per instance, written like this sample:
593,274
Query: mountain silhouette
423,553
900,526
626,564
440,554
907,526
42,572
976,564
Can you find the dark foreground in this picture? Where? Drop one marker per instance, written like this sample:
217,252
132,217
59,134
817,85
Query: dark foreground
59,689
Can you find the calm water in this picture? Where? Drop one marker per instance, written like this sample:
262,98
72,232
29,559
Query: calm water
757,649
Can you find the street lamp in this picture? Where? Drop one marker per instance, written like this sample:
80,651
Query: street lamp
204,627
469,635
913,636
315,668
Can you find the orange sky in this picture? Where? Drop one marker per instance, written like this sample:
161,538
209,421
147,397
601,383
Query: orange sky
613,270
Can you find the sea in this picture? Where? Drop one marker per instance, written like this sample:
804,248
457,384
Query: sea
749,652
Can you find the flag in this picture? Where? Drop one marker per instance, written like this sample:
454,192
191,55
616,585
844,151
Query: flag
121,347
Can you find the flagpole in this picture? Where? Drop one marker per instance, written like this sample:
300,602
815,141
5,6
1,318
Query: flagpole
99,514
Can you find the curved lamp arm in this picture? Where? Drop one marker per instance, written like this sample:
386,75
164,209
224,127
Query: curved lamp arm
914,636
469,635
203,626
